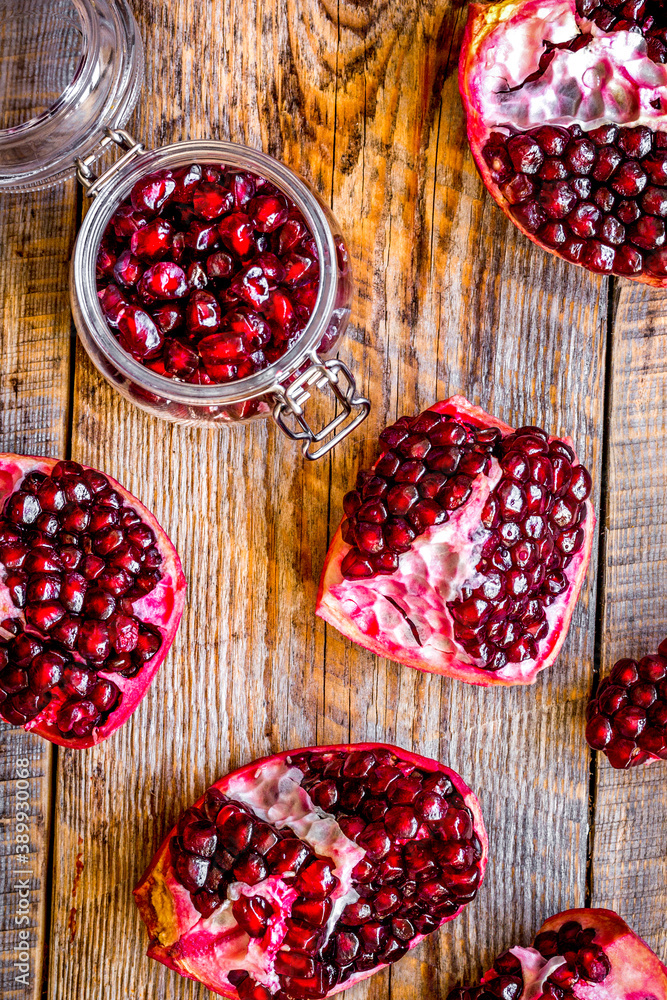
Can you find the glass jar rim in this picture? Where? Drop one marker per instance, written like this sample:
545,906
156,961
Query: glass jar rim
101,94
230,154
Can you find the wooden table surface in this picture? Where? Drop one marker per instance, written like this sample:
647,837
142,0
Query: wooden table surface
361,97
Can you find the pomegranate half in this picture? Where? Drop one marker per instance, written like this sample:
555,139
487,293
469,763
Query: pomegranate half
305,872
464,548
587,954
627,718
91,594
566,105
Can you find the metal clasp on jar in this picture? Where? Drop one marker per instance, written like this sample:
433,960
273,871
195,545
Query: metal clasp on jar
89,180
321,375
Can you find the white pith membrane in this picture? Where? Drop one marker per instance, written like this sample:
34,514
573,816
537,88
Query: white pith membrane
211,947
610,80
535,970
156,609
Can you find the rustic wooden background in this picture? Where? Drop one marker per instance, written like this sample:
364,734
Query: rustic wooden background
361,97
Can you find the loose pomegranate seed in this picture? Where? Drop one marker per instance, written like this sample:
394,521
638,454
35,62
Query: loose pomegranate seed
127,270
235,252
541,173
153,241
163,281
151,193
210,201
138,333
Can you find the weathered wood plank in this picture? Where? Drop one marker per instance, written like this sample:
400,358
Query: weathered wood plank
362,99
457,301
36,234
245,673
630,839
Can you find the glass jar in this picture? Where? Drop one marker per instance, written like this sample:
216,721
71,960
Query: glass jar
70,69
100,68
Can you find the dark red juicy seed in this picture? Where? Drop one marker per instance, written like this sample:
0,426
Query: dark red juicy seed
599,199
407,890
627,719
70,600
533,517
202,250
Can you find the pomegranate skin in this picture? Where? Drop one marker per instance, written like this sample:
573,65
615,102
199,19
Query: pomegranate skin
627,969
167,909
617,251
161,609
371,621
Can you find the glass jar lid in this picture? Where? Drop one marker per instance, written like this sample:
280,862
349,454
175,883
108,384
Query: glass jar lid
69,69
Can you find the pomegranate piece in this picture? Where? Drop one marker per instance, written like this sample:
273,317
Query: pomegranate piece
550,146
304,894
464,548
584,953
627,718
194,249
70,610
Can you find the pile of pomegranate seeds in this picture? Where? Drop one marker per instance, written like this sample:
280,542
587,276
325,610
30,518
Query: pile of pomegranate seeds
599,198
76,557
647,16
422,863
532,519
207,275
628,717
585,962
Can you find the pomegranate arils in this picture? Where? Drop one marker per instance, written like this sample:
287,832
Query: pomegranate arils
580,959
151,193
163,281
627,719
221,242
393,888
595,196
71,614
153,241
540,495
138,333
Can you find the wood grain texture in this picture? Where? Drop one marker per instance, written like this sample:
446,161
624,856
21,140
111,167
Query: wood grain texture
36,235
630,841
362,100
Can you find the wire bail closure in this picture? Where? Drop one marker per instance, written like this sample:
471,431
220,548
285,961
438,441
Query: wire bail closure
333,375
89,180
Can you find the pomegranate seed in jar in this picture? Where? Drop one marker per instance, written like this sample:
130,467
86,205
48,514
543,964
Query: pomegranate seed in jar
207,274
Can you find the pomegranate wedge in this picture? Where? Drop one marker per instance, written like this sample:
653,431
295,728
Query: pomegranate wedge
302,873
91,595
627,719
582,954
566,104
464,547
